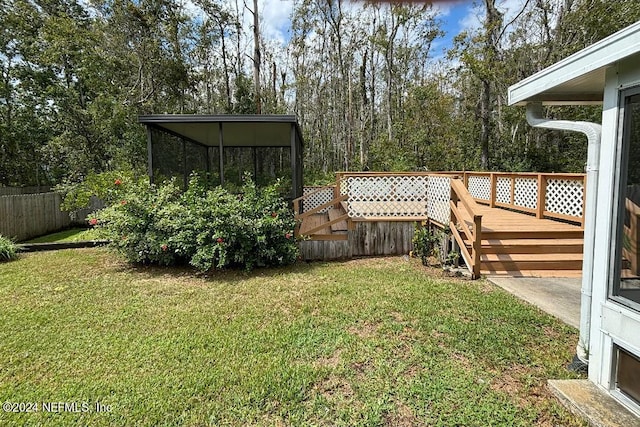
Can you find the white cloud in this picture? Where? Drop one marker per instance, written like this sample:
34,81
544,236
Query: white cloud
475,14
275,18
443,7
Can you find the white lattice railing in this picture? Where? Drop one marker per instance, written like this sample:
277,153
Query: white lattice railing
315,196
396,196
413,196
386,196
552,195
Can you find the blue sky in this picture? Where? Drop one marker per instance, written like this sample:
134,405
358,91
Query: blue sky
456,16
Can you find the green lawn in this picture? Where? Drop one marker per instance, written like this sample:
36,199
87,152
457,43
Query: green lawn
366,342
70,235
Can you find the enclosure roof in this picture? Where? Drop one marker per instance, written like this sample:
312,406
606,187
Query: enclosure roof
579,78
238,130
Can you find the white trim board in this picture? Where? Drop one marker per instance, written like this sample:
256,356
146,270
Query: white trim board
579,78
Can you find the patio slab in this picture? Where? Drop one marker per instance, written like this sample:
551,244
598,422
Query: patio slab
559,297
585,399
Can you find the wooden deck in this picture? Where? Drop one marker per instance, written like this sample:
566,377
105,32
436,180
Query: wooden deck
518,244
513,243
535,228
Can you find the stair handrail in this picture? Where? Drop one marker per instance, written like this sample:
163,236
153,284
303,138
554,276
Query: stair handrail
297,200
318,208
459,193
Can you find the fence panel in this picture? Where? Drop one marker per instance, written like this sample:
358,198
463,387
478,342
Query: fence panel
29,215
15,191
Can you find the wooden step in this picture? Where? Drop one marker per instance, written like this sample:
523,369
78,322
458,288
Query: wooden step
520,262
531,246
531,234
533,273
335,214
312,221
326,233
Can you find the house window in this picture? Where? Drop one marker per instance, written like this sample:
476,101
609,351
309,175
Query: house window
626,273
627,374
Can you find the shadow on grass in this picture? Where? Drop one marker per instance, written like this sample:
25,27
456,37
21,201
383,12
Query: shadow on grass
226,275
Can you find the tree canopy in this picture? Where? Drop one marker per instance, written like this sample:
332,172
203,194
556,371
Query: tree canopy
364,79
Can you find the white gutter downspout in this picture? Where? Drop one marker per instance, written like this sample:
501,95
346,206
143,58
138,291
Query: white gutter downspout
593,132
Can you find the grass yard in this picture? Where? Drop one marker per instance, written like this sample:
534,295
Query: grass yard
367,342
70,235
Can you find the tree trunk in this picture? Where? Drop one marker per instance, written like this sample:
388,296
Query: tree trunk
493,27
256,56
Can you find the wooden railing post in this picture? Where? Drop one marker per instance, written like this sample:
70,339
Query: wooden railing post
492,196
542,192
336,188
296,207
513,190
477,245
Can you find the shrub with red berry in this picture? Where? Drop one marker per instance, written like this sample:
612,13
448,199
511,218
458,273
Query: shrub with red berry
206,227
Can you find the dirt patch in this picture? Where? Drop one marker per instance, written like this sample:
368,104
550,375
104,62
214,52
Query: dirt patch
461,360
413,371
509,384
397,316
485,286
512,382
550,332
334,388
332,361
403,416
364,330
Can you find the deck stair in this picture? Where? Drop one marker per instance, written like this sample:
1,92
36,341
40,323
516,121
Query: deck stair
516,244
330,225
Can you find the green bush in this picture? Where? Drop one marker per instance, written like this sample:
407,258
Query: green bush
8,250
207,228
106,186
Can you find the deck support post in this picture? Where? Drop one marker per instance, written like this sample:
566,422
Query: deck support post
542,193
492,195
477,245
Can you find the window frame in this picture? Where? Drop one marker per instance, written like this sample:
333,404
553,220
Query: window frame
618,213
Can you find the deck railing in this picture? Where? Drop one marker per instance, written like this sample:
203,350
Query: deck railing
552,195
461,199
314,196
396,196
415,196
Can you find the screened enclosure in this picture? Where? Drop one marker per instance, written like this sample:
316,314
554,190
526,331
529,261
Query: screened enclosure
226,147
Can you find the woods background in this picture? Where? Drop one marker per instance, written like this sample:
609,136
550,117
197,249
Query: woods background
370,90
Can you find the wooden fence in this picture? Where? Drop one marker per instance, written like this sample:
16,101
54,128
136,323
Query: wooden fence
14,191
25,216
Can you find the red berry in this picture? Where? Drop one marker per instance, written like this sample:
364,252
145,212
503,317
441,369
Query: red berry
164,248
93,221
123,202
273,214
118,181
219,240
288,235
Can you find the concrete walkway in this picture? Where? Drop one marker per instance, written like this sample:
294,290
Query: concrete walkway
559,297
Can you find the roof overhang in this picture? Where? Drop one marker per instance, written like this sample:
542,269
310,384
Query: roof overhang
237,130
579,78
